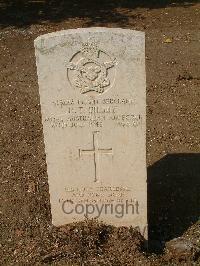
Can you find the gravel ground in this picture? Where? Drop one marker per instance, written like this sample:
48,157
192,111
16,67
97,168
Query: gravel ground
173,144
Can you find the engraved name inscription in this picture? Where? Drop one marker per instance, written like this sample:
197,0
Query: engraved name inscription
71,113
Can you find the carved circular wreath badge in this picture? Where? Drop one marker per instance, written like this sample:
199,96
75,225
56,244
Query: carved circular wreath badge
91,70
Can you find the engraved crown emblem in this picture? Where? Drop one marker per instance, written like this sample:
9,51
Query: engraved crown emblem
90,49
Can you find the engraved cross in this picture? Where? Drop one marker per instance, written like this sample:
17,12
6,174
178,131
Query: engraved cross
95,152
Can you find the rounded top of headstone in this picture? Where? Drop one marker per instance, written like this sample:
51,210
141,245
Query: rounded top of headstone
41,38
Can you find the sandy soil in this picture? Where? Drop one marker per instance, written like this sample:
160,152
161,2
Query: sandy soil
173,143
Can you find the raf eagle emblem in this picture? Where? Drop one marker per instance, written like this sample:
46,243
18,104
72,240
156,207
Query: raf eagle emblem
88,70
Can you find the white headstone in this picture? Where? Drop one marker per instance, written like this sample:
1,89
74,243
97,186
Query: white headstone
93,102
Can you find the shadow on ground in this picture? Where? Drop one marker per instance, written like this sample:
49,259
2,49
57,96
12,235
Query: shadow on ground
22,13
173,196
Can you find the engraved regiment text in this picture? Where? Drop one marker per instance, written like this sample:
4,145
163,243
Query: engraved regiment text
71,113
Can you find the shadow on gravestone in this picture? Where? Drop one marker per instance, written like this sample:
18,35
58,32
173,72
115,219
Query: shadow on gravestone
173,197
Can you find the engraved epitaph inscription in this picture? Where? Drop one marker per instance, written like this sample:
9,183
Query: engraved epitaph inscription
93,103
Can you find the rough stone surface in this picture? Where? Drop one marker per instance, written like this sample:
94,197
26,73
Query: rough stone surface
182,248
93,100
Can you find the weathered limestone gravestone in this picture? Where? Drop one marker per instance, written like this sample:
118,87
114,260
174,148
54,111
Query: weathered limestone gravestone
92,94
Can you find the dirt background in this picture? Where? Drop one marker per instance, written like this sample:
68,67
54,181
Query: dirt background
173,129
